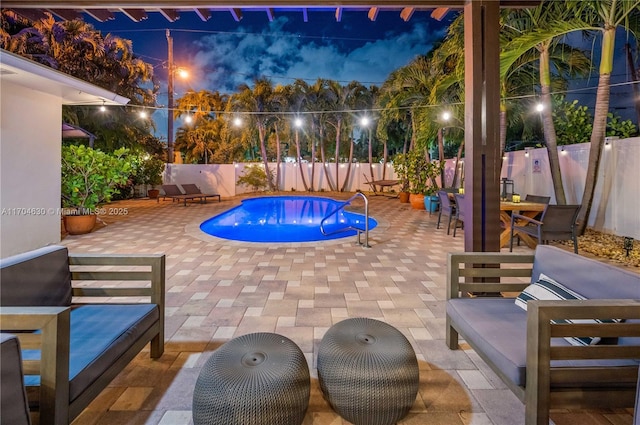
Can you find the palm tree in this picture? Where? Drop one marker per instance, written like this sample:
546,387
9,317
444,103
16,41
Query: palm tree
280,104
201,104
593,16
605,17
315,100
297,103
204,133
258,102
550,55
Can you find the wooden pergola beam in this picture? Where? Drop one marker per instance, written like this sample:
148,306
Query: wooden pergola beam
203,14
222,4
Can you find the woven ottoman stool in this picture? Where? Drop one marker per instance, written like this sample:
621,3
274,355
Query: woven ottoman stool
368,371
254,379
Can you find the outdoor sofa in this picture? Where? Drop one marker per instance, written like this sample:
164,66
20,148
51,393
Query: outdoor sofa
84,338
536,352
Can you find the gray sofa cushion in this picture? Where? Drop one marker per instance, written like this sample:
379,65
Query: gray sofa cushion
100,334
585,276
498,328
13,399
36,278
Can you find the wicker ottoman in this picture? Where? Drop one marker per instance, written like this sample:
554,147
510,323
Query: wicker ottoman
254,379
368,371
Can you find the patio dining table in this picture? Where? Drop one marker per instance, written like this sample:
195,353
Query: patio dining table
529,209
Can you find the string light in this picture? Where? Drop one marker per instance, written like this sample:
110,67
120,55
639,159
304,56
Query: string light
103,108
539,106
143,114
188,119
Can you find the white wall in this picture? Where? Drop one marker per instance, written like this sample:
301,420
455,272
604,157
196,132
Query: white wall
30,140
616,207
616,203
221,178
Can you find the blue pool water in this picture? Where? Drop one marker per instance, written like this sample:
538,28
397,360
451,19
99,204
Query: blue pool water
284,219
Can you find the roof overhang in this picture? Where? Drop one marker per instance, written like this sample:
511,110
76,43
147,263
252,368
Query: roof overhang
35,76
137,10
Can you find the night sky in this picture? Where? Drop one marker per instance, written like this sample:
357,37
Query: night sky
221,53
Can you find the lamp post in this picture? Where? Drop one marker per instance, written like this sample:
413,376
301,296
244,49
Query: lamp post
170,99
170,105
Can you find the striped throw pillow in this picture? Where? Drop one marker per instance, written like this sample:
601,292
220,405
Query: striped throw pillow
548,289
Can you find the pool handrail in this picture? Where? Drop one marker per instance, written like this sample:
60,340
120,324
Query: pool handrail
366,220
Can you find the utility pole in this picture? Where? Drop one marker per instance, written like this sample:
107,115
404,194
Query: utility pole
170,98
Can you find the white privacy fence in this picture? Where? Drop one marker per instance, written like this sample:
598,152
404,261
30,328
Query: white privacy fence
221,178
616,203
616,207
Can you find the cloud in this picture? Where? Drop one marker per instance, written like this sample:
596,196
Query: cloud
226,60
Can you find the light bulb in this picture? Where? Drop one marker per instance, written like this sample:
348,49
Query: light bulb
188,119
237,122
539,107
446,115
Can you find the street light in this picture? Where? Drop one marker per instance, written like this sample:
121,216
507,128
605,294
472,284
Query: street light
183,74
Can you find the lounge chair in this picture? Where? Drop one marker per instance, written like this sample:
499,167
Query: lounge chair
192,189
173,192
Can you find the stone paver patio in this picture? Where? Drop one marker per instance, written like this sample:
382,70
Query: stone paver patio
217,290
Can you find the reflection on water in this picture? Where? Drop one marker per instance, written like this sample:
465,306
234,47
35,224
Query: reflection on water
284,219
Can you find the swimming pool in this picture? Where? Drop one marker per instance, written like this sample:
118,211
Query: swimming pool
284,219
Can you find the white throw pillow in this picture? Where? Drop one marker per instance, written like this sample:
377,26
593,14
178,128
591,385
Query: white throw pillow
548,289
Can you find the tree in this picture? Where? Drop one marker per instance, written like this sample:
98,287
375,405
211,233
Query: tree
201,138
551,56
601,17
258,101
76,48
297,102
604,17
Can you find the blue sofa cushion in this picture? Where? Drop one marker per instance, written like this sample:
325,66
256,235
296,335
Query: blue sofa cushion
100,334
548,289
498,328
13,399
36,278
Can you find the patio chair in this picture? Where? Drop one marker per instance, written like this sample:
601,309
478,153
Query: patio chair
192,189
557,223
537,198
460,208
540,200
447,208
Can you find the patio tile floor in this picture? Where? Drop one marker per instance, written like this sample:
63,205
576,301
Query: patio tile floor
217,290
